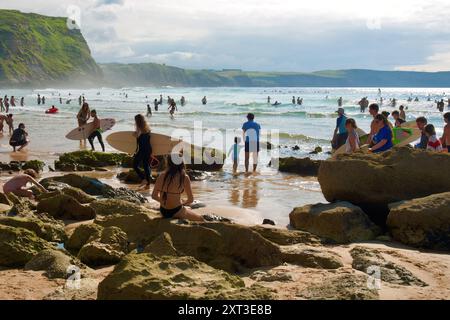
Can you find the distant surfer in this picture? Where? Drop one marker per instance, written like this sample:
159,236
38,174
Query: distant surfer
251,130
80,100
149,111
299,101
2,107
276,103
161,100
6,101
97,133
143,152
340,134
293,100
43,100
441,105
19,138
204,101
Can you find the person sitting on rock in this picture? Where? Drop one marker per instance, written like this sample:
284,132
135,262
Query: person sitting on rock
17,184
169,187
352,143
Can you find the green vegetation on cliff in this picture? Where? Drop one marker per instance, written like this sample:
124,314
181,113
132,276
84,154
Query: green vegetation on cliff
39,49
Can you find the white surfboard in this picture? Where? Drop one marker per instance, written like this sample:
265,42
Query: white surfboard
83,132
125,141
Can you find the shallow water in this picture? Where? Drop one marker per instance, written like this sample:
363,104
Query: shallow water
269,194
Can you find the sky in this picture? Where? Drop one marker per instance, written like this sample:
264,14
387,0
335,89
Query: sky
262,35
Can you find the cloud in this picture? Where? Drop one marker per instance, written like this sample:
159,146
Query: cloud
437,62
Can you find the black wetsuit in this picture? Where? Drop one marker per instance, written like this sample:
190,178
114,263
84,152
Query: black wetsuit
97,134
142,156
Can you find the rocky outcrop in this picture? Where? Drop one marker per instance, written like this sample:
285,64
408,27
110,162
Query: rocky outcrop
303,167
285,237
380,179
310,257
55,263
340,222
82,235
81,196
18,246
85,158
145,276
62,206
162,246
422,222
44,227
105,207
129,177
364,258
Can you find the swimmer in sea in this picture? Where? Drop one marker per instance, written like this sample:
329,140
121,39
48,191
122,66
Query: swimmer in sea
172,108
17,184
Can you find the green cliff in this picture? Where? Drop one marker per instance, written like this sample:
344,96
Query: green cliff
36,49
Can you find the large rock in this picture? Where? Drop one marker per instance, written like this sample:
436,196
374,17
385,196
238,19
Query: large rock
285,237
63,206
55,263
45,227
340,222
162,246
82,235
81,196
106,207
303,167
310,257
36,165
380,179
18,246
422,222
91,158
145,276
89,185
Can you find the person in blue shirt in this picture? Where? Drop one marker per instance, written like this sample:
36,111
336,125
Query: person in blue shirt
251,131
234,151
340,134
421,124
382,140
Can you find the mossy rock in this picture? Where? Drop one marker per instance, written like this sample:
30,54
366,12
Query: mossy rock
82,235
36,165
62,206
44,227
92,158
55,263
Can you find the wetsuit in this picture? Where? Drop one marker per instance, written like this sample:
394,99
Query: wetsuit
142,156
96,133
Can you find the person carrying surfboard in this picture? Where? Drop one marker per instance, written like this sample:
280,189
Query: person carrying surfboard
144,149
83,116
169,187
97,131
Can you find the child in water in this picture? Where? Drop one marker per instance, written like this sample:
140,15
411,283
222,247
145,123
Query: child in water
446,136
17,184
352,143
235,151
434,144
97,131
19,138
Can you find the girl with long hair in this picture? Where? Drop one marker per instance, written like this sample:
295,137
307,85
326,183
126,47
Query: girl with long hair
144,149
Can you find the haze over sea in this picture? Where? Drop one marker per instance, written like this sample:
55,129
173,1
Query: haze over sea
306,126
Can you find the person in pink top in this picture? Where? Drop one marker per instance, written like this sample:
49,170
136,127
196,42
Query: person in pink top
17,184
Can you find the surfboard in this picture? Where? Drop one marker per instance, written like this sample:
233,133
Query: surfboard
409,124
83,132
125,141
404,136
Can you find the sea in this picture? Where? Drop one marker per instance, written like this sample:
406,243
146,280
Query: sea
296,129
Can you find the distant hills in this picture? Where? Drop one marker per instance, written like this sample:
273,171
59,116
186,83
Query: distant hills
38,51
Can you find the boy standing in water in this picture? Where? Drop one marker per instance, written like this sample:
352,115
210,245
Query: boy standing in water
446,136
235,151
421,123
97,132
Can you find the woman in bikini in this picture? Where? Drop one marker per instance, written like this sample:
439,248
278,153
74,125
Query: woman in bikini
169,187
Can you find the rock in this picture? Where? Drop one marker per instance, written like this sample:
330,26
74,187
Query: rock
114,206
303,167
221,245
44,227
5,200
344,286
96,253
364,258
63,206
36,165
76,193
380,179
162,246
91,159
135,225
124,194
295,148
195,175
269,222
89,185
340,222
82,235
422,222
316,150
22,207
18,246
271,277
207,161
309,257
65,167
145,276
285,237
83,168
4,208
54,262
115,237
216,218
130,177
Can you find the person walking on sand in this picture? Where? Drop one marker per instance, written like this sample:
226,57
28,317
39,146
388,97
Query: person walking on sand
169,187
19,138
97,131
445,139
251,130
340,133
352,144
434,144
382,140
421,122
17,184
234,151
204,101
9,121
143,152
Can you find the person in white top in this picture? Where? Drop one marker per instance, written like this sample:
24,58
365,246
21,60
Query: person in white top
434,144
352,144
